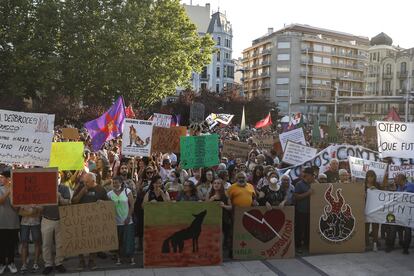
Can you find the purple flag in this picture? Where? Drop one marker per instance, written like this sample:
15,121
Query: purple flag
107,126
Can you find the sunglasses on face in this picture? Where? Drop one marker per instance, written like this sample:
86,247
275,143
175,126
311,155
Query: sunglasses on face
150,172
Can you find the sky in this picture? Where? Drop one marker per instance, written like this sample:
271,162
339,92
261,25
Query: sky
250,19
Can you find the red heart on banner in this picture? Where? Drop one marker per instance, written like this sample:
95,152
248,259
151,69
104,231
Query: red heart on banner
264,227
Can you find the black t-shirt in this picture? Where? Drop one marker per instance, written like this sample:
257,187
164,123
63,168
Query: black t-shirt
332,177
93,195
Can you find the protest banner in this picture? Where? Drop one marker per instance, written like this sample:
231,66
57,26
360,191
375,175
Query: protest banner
25,138
214,119
167,139
297,153
322,158
182,234
88,228
199,151
264,142
67,156
259,233
337,221
392,208
405,169
197,112
70,133
235,148
295,135
137,138
359,168
395,139
34,187
161,120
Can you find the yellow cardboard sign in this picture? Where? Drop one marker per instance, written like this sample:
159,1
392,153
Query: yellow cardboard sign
67,156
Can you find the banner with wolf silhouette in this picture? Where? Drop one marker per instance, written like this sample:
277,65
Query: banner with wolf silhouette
137,138
337,221
260,233
180,234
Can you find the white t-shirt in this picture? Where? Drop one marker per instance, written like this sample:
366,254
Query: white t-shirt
121,205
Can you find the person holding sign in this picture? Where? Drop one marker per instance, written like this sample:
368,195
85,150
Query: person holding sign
371,183
155,192
9,225
124,208
404,233
241,193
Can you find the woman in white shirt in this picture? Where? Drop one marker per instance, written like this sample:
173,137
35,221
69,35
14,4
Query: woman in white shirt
124,208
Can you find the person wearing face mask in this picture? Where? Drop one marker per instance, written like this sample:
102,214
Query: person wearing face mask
124,208
241,193
271,195
50,229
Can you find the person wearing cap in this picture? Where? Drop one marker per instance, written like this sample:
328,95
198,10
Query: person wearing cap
302,194
9,225
322,178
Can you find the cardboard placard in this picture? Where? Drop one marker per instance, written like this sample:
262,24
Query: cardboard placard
199,151
26,138
337,220
34,187
406,169
395,139
67,156
260,233
264,142
296,153
70,133
161,120
238,149
137,138
392,208
88,228
167,139
296,135
359,168
182,234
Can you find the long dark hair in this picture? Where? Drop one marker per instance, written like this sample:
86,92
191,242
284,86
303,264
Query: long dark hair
371,172
192,187
222,191
203,178
154,179
255,178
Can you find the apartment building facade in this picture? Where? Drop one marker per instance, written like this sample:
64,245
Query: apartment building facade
219,74
390,73
300,67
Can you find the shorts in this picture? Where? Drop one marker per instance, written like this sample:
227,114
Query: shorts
25,231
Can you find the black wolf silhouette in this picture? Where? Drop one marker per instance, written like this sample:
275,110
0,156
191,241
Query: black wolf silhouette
192,232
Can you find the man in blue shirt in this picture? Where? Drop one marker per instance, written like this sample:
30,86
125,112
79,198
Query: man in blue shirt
302,198
404,233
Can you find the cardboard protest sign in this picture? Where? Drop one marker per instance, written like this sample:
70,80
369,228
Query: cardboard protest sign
70,133
182,234
337,221
238,149
322,158
161,120
137,138
34,187
199,151
406,169
295,135
167,139
395,139
297,153
88,228
392,208
264,142
67,156
359,168
260,233
197,112
213,119
25,138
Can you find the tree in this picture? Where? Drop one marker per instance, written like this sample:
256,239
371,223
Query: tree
59,53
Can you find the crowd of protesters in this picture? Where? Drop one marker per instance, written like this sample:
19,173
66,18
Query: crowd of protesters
131,182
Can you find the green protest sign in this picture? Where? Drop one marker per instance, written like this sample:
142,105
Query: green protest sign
199,151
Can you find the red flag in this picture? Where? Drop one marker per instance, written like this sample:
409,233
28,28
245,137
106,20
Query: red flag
264,122
393,115
129,112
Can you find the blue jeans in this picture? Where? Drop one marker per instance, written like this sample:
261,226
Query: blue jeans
126,239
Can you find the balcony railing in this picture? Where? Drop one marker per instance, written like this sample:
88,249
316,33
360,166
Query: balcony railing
402,75
265,74
267,62
265,86
387,75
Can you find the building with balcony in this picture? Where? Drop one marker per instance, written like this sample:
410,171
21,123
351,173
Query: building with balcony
219,74
300,67
390,73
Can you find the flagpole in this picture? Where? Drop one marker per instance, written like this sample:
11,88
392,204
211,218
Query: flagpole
243,121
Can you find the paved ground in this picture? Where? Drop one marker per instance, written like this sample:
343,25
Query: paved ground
363,264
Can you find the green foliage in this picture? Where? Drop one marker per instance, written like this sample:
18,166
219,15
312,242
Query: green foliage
60,52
